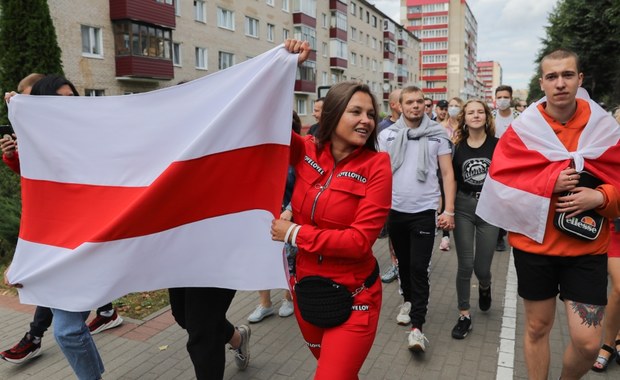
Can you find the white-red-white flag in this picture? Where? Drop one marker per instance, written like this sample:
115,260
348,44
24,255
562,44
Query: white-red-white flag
171,188
528,158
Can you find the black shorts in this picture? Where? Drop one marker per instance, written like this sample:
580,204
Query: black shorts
581,279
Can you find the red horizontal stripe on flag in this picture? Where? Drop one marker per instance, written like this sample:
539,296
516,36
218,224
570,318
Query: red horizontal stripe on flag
67,215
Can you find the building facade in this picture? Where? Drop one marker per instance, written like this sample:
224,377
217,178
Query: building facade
115,47
449,34
490,73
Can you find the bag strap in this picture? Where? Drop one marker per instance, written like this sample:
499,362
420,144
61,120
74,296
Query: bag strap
369,281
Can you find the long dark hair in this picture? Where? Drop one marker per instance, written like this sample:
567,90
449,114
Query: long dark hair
336,102
50,84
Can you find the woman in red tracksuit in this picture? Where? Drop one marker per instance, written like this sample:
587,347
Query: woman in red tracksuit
340,201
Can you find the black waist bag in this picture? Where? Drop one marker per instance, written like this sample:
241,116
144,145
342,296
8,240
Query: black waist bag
588,224
326,303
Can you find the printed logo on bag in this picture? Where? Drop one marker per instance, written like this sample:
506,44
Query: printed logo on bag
360,307
352,175
585,223
313,345
314,165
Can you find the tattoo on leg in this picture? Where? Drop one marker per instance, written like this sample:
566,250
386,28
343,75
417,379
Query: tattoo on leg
591,315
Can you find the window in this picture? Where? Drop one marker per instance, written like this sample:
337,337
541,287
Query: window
201,58
305,33
301,104
93,92
271,32
176,54
324,49
353,59
285,34
91,41
132,38
177,8
285,5
324,77
339,20
324,20
225,60
251,27
165,1
353,33
225,19
353,8
307,7
307,71
338,49
270,2
200,10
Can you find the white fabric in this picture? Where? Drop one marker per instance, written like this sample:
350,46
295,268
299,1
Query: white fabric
525,212
128,141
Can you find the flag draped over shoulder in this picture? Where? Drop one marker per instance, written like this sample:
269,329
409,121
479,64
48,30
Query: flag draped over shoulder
528,160
171,188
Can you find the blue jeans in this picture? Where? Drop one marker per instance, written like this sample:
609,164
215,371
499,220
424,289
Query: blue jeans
75,341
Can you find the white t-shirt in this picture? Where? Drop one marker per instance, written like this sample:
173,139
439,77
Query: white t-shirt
408,194
502,123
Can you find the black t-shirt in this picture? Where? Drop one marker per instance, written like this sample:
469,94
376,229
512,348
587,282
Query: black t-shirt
472,164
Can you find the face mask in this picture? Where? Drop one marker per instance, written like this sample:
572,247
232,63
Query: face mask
454,110
502,104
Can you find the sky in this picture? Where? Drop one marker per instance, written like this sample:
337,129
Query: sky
509,32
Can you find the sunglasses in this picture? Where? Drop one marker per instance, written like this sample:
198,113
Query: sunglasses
428,105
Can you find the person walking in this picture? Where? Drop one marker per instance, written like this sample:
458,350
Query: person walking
340,202
474,143
535,173
418,148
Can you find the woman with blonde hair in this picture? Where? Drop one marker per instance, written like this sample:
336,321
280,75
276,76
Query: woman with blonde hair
475,239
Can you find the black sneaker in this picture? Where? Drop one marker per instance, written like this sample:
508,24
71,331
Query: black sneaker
22,351
484,298
462,327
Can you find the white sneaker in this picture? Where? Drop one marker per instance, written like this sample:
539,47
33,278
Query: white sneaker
287,309
445,243
260,313
403,315
416,341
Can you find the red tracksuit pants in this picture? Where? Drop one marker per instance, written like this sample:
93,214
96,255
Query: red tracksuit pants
341,350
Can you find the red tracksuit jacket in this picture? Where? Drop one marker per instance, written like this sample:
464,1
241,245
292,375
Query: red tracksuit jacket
341,207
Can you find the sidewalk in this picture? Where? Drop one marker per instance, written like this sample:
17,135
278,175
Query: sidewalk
155,348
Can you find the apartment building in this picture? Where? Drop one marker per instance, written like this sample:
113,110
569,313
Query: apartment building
490,73
448,31
115,47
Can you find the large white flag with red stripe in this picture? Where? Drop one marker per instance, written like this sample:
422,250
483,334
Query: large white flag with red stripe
528,159
171,188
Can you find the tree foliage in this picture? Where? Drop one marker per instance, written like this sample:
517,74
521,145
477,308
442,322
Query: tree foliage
27,43
592,30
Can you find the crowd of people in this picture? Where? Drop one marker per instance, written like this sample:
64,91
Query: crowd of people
423,170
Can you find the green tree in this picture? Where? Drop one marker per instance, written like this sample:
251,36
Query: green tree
27,43
592,30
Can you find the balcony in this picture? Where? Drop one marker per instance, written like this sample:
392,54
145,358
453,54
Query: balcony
338,63
144,67
305,86
148,11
